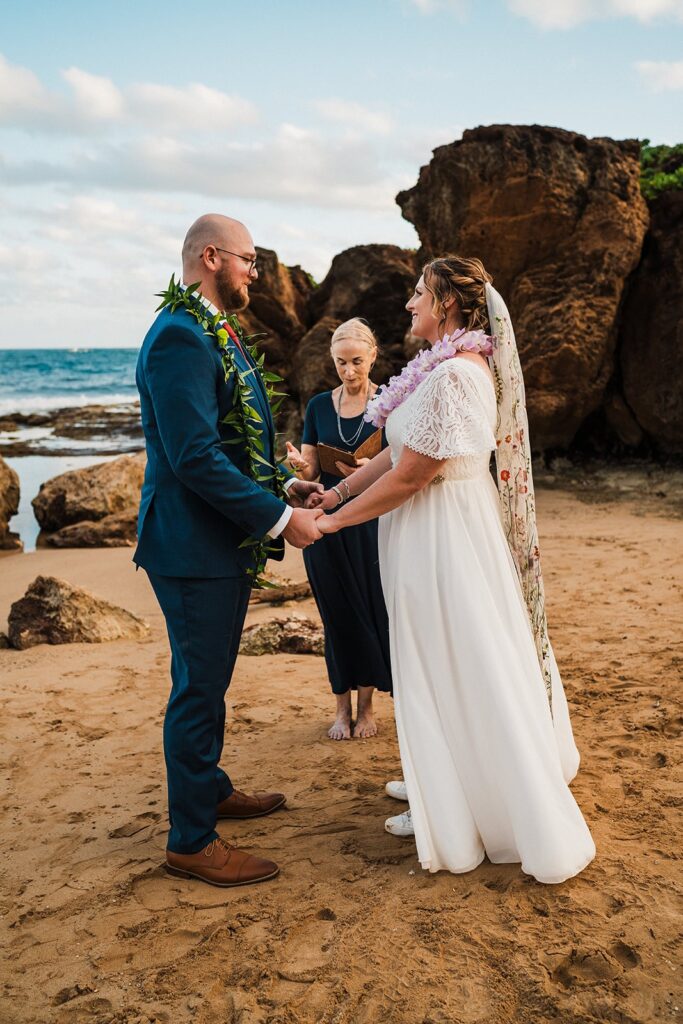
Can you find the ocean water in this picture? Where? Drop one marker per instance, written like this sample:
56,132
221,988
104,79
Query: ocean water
41,379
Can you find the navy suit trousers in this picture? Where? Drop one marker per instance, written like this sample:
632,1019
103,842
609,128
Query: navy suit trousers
204,618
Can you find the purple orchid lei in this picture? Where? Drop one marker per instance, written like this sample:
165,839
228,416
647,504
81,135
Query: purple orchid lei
391,395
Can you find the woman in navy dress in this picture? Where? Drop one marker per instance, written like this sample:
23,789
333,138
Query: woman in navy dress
343,567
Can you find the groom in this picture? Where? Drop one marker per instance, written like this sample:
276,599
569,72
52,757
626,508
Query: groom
199,505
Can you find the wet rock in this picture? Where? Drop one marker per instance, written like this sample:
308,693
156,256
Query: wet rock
651,334
559,221
109,488
112,429
294,635
53,611
9,506
115,531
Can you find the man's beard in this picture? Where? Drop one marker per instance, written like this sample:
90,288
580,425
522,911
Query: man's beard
232,297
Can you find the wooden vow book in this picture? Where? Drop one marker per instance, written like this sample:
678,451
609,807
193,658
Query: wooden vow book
328,455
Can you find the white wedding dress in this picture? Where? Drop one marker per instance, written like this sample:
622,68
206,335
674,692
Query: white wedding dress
486,765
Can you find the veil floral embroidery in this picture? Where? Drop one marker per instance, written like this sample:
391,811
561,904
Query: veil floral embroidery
513,473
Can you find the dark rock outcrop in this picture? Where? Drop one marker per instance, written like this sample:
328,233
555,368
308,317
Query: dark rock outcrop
373,282
278,309
53,611
651,334
108,489
9,506
559,221
294,635
116,531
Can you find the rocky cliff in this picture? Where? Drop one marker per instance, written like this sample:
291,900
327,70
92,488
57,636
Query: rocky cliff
559,221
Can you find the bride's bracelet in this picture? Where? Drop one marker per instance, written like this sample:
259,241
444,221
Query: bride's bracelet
344,483
339,494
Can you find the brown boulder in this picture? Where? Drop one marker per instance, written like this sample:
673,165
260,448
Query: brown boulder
293,635
277,309
373,282
651,336
559,221
106,489
312,367
54,612
115,531
9,506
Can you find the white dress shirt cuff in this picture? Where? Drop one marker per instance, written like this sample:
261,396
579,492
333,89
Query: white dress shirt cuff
276,530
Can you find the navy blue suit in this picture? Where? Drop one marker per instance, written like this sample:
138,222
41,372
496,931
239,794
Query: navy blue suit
198,505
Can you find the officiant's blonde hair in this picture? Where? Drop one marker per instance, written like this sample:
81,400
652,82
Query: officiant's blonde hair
355,329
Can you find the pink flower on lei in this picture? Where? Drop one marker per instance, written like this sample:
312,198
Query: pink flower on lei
391,395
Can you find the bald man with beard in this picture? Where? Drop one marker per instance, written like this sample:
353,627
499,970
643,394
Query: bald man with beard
199,504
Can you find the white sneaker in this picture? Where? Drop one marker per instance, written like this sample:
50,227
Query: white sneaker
401,825
397,790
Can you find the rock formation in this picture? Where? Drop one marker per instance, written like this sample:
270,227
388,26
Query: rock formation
107,491
9,506
278,309
118,530
370,281
52,611
294,635
651,334
559,221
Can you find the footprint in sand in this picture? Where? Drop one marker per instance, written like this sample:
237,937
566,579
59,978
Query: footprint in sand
584,967
131,828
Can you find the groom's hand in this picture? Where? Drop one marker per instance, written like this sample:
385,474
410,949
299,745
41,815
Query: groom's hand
301,530
299,493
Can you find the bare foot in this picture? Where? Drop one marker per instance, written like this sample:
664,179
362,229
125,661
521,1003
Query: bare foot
365,727
340,728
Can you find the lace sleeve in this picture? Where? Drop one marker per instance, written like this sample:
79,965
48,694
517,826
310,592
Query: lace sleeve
449,417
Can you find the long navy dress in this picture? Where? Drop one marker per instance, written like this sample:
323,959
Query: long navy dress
343,569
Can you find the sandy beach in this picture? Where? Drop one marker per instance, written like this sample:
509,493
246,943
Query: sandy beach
352,931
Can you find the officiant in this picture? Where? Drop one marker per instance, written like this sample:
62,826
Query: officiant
343,567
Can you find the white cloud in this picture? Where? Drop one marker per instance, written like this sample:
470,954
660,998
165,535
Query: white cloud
195,107
93,104
21,93
661,75
291,165
562,14
355,116
94,98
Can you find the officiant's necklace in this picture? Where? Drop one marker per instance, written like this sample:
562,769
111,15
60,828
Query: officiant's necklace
352,441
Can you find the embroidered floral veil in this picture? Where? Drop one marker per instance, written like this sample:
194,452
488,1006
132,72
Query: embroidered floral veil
515,483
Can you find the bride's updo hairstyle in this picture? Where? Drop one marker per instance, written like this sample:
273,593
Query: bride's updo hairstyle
356,329
463,279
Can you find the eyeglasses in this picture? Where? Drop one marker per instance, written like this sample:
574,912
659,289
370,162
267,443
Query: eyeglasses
247,259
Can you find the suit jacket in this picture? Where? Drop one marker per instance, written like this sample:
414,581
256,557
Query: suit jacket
198,502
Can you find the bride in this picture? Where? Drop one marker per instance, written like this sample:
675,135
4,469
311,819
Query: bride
482,721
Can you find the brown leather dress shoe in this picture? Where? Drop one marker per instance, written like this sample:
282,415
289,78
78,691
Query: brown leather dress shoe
239,805
221,864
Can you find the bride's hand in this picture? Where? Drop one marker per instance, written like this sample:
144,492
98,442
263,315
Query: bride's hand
329,500
327,524
296,460
345,470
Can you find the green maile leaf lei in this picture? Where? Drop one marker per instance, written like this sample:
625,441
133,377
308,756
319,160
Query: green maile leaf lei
244,419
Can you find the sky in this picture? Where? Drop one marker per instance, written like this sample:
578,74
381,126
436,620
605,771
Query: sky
121,123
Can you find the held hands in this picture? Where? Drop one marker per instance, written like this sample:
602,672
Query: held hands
345,470
302,528
301,493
